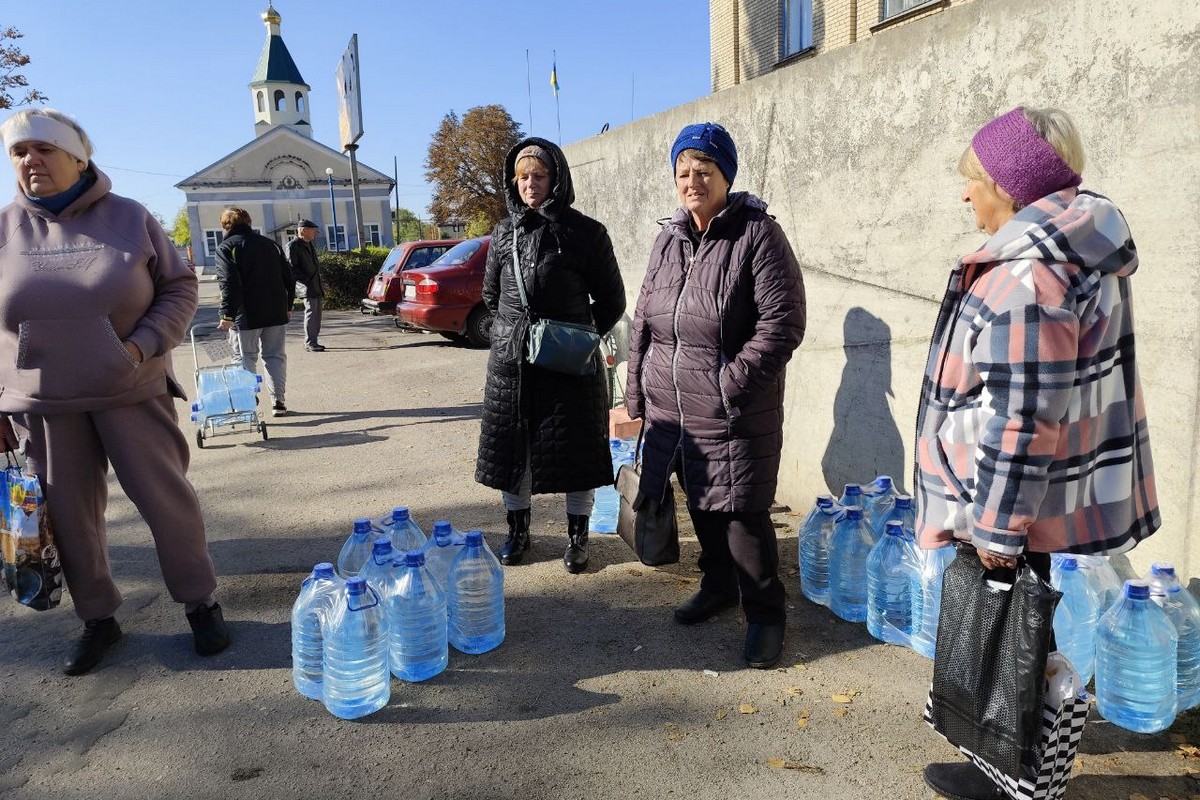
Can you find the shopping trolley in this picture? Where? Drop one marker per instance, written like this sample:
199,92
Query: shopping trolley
226,397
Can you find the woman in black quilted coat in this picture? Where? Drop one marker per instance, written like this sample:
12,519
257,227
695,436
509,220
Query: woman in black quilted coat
720,312
545,432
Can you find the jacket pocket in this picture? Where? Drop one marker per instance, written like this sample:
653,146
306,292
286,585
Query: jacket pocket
68,359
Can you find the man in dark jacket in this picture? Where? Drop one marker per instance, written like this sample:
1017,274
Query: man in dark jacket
257,292
303,257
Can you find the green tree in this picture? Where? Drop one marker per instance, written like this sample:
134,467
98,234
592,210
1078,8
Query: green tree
181,231
12,60
465,164
480,225
409,225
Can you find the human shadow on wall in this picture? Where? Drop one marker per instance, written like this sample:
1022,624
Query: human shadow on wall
865,441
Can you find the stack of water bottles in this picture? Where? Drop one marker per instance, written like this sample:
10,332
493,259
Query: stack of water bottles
1140,640
390,608
227,389
607,505
859,557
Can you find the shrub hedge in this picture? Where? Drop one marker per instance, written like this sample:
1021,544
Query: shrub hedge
347,275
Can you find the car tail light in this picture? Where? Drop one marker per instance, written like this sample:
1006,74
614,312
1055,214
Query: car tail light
427,286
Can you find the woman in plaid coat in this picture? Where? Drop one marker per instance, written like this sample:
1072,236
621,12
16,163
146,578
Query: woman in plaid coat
1032,435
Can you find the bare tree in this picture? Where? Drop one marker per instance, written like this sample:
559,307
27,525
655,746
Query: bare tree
11,60
466,164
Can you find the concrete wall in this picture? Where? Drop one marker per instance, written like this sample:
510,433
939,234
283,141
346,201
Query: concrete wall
856,151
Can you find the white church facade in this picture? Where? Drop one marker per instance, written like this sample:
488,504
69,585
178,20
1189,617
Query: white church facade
283,175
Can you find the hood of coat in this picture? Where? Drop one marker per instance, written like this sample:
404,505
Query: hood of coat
677,223
562,193
101,185
1071,226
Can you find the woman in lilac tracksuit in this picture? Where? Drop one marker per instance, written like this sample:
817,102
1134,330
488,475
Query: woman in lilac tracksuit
1032,435
93,297
720,311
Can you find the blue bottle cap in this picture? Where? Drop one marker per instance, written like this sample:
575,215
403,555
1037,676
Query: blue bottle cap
1137,590
1068,564
381,546
474,537
824,500
323,570
1162,568
442,528
883,482
356,586
399,513
904,501
853,512
362,525
852,488
414,558
894,527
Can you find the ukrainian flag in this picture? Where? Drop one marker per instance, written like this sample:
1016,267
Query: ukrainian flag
554,77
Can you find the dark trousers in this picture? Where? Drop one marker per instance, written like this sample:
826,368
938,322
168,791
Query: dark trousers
739,553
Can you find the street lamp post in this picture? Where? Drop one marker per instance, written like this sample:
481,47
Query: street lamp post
333,206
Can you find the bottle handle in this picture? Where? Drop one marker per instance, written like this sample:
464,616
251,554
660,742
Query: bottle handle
375,600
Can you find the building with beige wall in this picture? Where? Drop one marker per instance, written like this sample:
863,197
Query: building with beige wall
855,150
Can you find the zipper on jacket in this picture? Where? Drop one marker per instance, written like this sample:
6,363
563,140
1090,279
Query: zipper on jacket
687,273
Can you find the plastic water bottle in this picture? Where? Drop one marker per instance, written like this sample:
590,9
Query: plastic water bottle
878,498
816,533
848,551
1136,650
243,387
403,530
900,507
317,595
440,550
1076,618
476,598
933,565
416,609
357,681
894,587
1105,583
852,495
607,504
225,390
357,549
1184,613
378,571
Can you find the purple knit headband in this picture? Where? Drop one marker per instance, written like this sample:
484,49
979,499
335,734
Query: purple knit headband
1019,160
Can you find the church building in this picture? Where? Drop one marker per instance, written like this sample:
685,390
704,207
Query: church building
283,175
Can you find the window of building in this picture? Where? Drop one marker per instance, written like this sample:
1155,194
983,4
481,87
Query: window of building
893,7
212,240
797,26
338,243
280,100
300,102
372,234
262,103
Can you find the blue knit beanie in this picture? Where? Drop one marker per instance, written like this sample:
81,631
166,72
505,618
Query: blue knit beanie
710,138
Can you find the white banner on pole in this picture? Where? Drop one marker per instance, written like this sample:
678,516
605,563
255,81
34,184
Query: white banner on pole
350,125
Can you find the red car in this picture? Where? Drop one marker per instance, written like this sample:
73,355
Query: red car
447,296
386,288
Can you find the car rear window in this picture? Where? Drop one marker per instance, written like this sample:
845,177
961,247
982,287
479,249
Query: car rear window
459,254
389,263
424,256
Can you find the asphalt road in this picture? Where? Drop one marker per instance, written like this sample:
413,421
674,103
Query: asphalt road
594,694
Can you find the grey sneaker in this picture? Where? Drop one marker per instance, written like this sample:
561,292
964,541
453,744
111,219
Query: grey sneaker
279,410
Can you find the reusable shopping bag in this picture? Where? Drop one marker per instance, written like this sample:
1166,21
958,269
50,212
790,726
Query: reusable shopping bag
647,524
1064,714
29,565
990,665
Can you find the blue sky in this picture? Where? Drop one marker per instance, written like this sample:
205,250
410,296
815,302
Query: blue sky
161,85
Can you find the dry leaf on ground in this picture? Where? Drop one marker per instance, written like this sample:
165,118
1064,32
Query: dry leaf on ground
840,712
747,708
722,713
633,571
842,698
1188,751
802,717
781,763
794,691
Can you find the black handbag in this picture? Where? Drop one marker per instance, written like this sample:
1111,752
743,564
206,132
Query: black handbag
990,665
647,524
565,347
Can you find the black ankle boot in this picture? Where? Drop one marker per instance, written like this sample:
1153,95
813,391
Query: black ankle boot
576,557
99,635
518,538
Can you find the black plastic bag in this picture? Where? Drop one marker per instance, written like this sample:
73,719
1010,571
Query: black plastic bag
990,665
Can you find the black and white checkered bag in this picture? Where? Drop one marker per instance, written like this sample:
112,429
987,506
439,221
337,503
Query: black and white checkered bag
1063,717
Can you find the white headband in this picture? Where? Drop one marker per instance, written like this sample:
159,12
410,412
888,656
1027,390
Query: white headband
36,128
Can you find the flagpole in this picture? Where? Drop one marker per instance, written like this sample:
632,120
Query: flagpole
529,91
557,110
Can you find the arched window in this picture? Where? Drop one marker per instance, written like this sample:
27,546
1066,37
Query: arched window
300,102
280,100
262,103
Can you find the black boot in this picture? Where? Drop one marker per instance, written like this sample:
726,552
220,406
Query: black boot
518,538
98,636
576,557
962,781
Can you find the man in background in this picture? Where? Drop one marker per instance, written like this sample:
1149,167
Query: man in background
303,257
